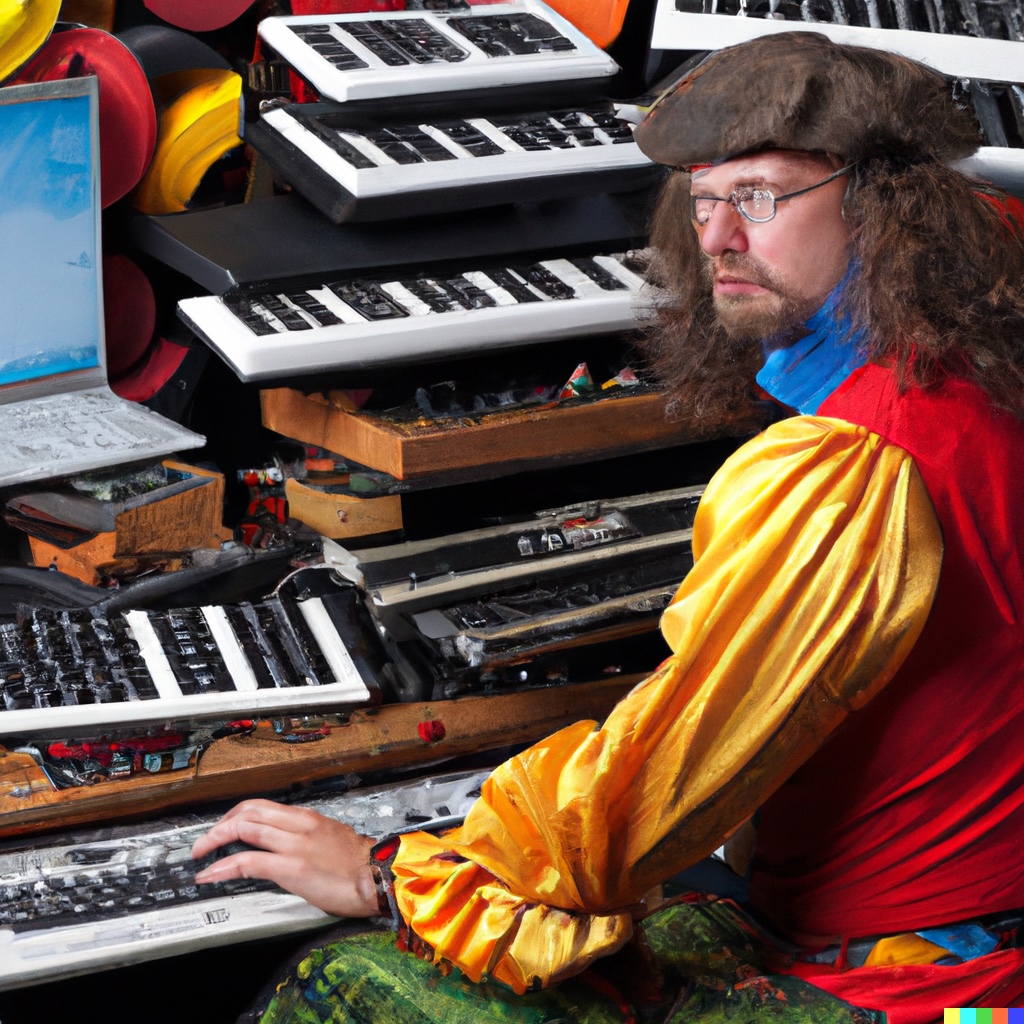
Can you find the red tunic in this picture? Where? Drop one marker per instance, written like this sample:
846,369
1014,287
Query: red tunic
913,813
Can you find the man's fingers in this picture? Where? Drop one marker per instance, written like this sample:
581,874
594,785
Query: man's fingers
260,823
247,864
238,865
322,860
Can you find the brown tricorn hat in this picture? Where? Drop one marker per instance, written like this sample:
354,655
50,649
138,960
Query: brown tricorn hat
800,90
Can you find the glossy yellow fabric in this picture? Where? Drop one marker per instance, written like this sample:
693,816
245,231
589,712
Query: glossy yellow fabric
817,554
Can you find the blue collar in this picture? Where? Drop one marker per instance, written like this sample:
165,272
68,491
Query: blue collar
804,374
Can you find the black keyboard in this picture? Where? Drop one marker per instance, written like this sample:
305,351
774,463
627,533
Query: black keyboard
409,53
526,602
361,322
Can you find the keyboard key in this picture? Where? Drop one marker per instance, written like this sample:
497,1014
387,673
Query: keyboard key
367,299
504,35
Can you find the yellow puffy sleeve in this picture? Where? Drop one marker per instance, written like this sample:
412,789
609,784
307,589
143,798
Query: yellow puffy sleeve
817,554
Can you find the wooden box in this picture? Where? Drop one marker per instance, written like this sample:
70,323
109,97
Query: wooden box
340,516
523,438
159,526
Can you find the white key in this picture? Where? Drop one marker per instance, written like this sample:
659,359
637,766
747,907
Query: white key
152,652
230,650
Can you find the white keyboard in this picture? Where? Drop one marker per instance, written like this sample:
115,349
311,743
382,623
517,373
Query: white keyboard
77,431
79,902
315,145
412,53
956,47
73,671
361,323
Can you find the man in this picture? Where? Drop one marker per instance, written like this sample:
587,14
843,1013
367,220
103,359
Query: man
849,645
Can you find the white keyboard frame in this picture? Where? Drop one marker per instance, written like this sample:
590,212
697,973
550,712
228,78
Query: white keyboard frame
993,60
171,705
390,178
46,953
359,343
477,71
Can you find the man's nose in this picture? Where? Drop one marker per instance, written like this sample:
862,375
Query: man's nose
725,230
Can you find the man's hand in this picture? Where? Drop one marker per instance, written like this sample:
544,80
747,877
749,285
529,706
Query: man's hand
321,860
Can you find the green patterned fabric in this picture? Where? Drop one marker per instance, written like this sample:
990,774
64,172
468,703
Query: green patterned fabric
366,979
703,963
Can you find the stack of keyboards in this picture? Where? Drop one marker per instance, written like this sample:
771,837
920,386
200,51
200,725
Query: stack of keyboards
423,112
563,597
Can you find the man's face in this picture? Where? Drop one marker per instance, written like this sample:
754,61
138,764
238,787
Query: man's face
770,276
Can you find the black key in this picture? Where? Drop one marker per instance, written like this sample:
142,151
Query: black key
367,299
435,295
243,308
513,285
300,643
325,43
191,651
544,280
290,318
469,295
314,308
259,653
598,274
470,138
407,144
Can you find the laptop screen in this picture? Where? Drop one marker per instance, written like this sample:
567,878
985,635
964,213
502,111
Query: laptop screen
58,417
51,316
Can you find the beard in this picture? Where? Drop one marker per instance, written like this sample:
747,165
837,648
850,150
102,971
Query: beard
773,314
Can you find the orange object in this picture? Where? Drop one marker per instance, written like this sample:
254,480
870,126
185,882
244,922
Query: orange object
601,20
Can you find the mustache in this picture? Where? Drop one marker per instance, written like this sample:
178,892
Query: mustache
744,266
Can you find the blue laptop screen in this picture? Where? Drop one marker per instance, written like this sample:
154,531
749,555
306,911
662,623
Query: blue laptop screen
50,298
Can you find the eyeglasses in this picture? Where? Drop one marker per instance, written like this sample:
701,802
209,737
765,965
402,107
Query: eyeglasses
756,205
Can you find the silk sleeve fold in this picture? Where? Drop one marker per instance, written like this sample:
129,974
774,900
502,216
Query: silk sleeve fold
817,555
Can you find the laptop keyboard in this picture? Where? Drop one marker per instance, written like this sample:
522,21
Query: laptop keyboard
73,432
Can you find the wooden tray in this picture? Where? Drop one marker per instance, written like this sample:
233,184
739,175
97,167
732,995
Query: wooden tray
566,432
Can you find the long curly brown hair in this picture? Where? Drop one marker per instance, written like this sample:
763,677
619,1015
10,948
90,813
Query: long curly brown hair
940,289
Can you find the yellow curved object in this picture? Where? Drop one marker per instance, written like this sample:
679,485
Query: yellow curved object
817,555
198,125
24,26
900,950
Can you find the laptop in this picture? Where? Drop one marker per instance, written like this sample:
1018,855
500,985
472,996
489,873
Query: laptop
58,416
